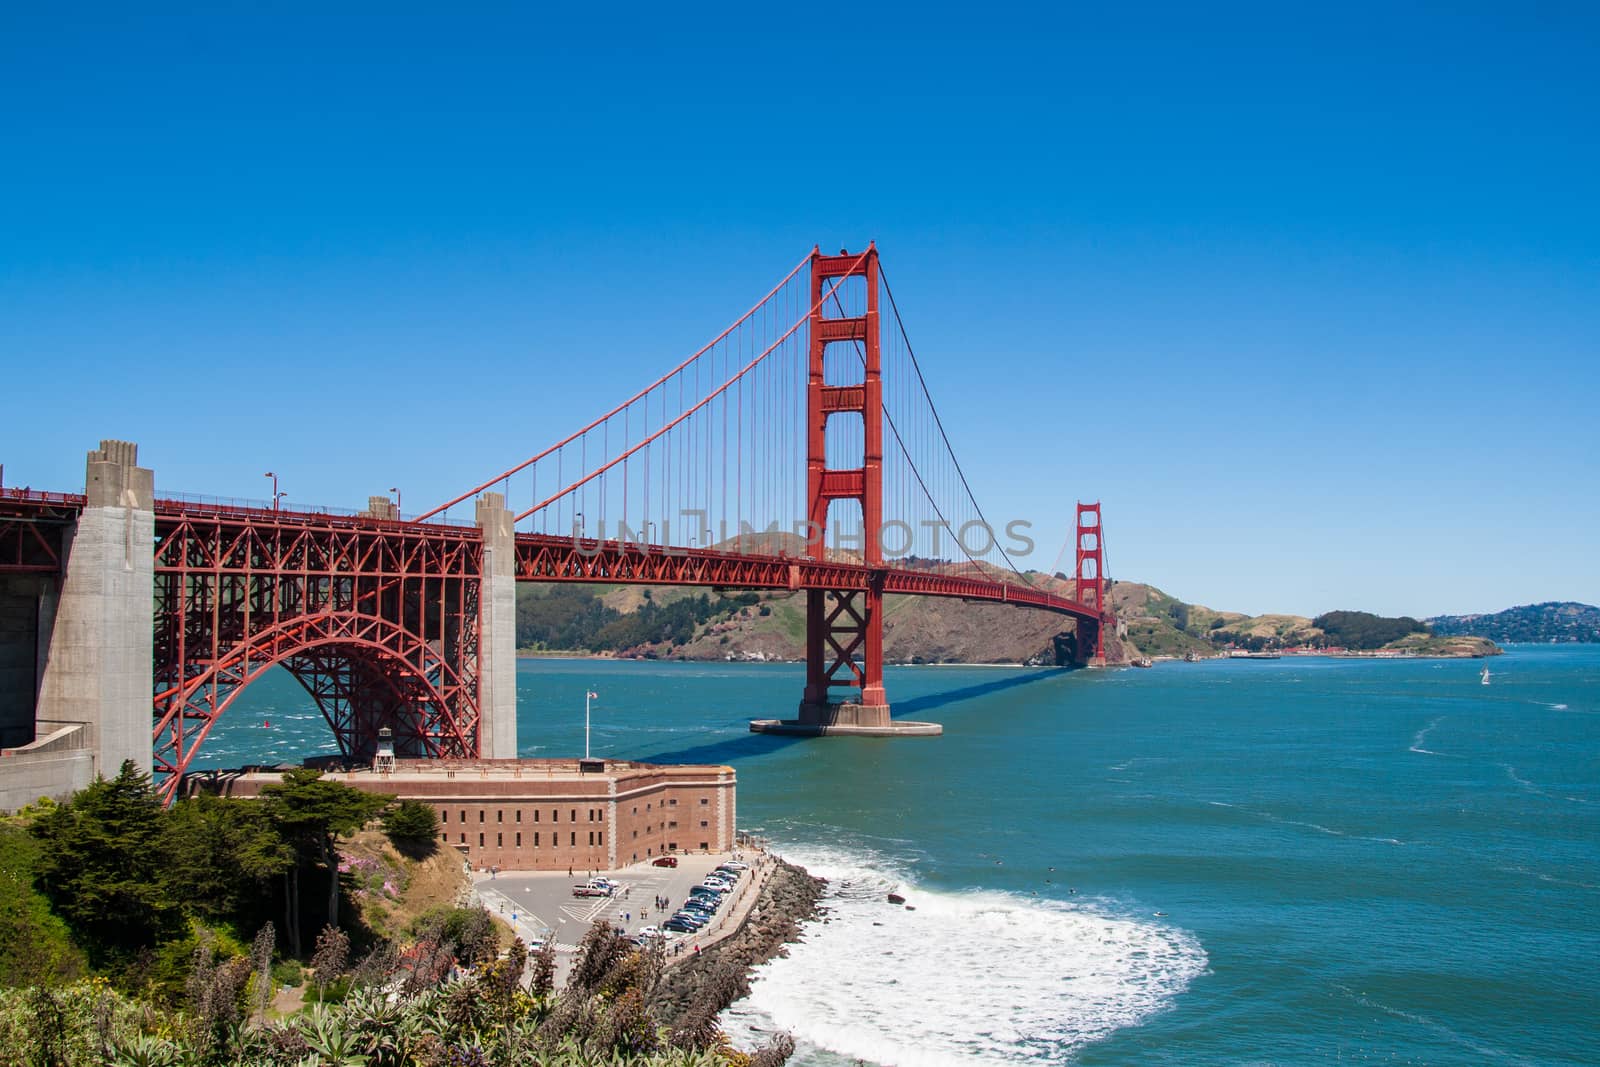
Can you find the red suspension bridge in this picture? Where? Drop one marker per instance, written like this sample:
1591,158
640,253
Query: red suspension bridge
800,450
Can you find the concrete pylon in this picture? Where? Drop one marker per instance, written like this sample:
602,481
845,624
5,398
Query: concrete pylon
497,631
97,667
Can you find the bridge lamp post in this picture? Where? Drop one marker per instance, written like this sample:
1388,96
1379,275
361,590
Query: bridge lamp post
396,493
276,496
577,520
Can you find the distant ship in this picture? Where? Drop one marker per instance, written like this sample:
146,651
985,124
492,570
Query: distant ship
1240,653
1485,675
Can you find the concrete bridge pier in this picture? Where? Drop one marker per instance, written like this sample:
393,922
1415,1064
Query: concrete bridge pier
94,640
497,631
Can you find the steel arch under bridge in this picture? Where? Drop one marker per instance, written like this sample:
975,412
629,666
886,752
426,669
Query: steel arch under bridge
377,620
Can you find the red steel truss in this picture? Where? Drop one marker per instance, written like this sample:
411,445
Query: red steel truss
31,528
377,620
544,558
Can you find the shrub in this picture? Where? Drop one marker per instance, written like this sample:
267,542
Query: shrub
413,828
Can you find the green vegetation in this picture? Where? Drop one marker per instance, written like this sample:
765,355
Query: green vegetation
35,945
1362,630
392,1010
169,908
413,828
136,888
576,618
1560,621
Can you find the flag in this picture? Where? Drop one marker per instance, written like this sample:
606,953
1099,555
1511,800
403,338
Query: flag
593,696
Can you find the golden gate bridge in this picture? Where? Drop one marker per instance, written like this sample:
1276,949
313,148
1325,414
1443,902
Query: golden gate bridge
799,450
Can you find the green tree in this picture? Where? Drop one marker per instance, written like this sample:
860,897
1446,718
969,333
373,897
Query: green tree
310,812
413,828
101,864
221,852
35,946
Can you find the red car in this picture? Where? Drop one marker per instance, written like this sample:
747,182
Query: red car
665,861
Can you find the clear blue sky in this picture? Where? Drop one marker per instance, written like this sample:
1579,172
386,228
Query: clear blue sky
1309,299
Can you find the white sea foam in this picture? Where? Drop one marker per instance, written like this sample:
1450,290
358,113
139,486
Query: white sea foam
1552,879
975,977
1422,735
1321,829
1486,1053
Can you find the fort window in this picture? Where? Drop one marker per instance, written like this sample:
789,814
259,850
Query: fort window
519,814
499,840
574,815
705,846
574,841
519,838
481,814
500,816
704,801
703,825
480,840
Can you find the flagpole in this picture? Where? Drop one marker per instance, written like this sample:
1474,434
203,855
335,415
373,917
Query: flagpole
587,693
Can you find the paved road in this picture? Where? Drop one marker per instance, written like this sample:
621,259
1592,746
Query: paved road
540,904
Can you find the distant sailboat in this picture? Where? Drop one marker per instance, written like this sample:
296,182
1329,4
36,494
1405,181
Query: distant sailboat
1485,675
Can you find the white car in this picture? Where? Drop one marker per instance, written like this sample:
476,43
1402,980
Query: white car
734,865
650,931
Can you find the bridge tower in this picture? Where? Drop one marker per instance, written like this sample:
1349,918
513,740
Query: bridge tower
842,625
1090,575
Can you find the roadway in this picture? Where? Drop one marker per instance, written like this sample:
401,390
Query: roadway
539,904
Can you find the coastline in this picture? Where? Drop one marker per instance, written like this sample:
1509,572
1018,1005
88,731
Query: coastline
695,989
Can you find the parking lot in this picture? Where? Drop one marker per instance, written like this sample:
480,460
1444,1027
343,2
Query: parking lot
540,904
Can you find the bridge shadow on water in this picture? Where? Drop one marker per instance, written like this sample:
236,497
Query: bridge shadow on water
746,745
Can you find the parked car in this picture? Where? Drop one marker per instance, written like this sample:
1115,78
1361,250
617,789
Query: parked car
591,889
679,926
650,931
735,865
718,888
693,921
664,861
732,870
701,906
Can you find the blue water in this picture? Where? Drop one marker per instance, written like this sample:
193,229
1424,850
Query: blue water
1291,861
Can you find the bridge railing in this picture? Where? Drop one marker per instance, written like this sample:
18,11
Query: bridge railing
245,507
40,496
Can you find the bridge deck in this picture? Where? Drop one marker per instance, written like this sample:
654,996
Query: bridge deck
540,557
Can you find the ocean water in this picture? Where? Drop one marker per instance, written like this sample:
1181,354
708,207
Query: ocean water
1270,862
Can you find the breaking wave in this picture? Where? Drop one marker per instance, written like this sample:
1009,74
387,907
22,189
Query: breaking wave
976,977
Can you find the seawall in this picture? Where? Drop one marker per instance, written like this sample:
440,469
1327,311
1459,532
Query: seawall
701,986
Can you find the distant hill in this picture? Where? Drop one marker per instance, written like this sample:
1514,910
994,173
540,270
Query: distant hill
1159,624
1560,621
644,622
